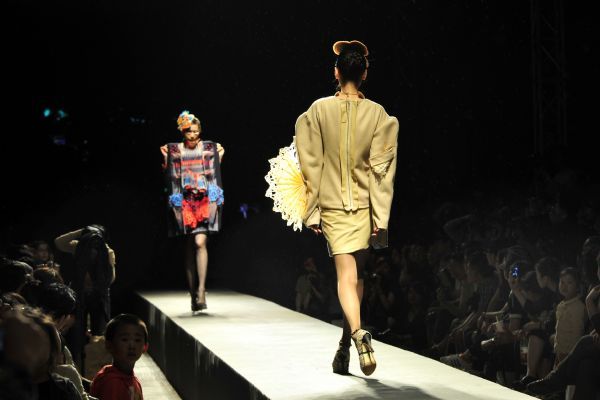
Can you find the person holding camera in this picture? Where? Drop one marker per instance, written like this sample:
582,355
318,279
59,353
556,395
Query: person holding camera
92,277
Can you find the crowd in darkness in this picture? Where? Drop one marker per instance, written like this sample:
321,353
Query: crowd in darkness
503,284
53,316
500,282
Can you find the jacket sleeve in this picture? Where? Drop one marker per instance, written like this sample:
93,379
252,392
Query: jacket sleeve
382,160
309,145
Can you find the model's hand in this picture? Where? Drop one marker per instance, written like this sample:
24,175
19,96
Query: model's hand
316,229
164,150
375,231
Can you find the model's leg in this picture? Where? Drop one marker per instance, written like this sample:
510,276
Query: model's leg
361,258
190,265
347,277
348,293
201,265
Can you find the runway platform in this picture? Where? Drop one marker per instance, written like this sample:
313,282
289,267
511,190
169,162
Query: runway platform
244,347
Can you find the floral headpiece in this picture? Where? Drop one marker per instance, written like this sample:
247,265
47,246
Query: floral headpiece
185,120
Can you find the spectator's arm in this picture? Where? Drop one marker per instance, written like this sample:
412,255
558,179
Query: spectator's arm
513,283
514,323
591,303
68,241
113,262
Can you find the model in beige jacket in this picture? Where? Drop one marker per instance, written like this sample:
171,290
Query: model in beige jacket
347,148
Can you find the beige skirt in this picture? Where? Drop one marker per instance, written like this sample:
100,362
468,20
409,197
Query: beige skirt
346,231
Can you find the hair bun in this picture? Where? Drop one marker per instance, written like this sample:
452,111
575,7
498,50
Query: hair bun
339,46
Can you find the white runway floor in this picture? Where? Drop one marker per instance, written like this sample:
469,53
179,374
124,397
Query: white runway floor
154,383
287,355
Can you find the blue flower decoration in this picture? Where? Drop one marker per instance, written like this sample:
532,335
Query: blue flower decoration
215,194
176,199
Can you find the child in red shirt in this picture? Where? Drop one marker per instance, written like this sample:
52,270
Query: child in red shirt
126,340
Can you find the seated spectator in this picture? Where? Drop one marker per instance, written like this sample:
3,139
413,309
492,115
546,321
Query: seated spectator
47,275
570,314
126,340
582,365
42,254
13,275
453,294
480,274
311,291
48,384
586,261
535,307
409,330
381,295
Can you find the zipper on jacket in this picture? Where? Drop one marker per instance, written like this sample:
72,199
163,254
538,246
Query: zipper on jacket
348,176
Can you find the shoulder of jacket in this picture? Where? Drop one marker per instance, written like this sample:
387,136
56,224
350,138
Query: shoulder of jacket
321,101
375,105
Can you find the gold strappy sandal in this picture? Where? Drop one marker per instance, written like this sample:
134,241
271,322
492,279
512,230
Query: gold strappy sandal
362,340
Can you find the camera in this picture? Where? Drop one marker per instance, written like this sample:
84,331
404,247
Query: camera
515,270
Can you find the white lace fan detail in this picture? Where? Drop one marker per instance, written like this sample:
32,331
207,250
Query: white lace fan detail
287,187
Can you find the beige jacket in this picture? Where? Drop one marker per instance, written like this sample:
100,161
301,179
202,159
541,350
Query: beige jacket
347,153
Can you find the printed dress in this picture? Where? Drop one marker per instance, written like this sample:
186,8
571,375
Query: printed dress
194,188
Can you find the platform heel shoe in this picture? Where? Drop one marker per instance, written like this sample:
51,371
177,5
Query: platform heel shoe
362,340
341,360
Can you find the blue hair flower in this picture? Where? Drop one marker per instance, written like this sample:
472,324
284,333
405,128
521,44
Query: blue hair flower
176,199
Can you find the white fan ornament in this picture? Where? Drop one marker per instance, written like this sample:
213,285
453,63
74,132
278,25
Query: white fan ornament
287,187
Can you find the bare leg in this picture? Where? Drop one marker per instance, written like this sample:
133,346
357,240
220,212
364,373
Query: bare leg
347,330
201,264
350,288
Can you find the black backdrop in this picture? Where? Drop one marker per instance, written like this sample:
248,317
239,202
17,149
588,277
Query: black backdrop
456,74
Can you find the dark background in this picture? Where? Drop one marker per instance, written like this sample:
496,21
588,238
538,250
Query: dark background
456,74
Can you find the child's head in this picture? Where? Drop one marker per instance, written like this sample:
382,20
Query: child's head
126,339
568,285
